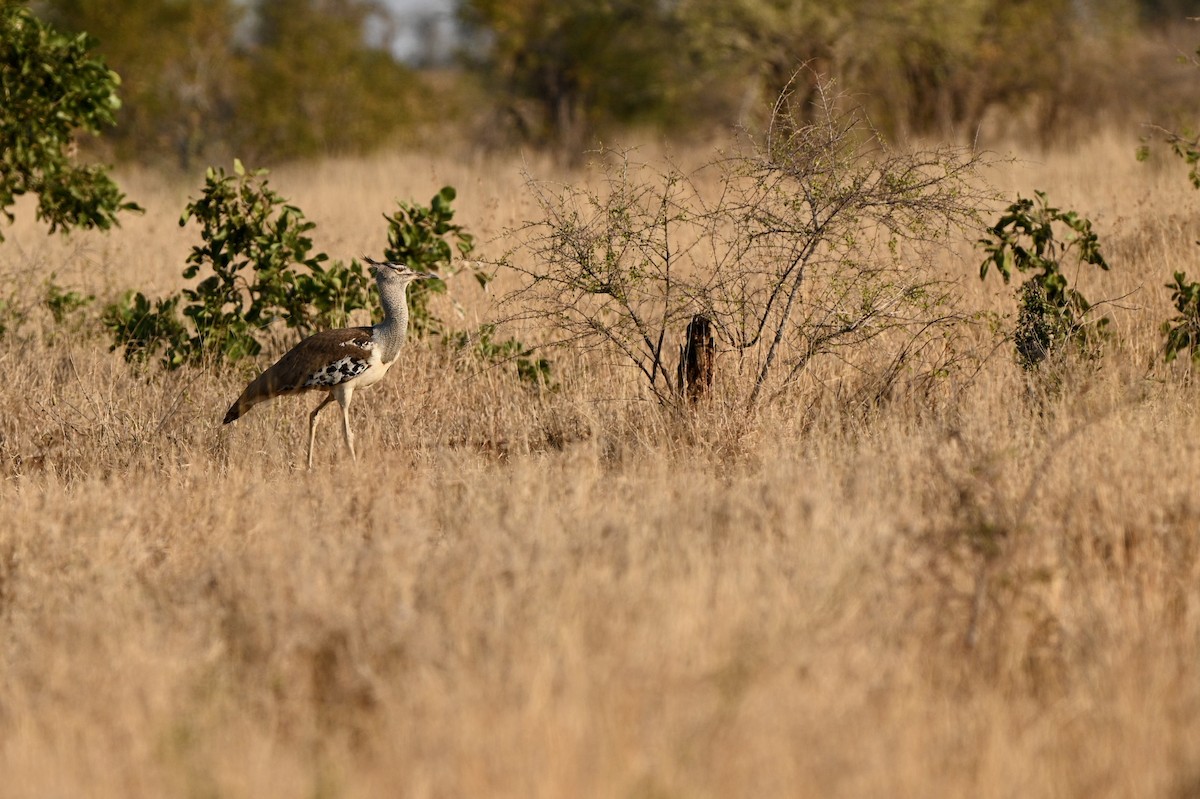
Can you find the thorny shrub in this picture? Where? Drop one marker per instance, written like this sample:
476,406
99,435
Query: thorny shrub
815,240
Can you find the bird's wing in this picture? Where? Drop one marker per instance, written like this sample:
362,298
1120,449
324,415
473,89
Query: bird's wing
343,359
320,361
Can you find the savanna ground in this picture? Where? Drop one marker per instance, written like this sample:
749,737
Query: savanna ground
992,591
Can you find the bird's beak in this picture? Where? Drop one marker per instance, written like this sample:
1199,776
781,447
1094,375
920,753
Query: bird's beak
428,275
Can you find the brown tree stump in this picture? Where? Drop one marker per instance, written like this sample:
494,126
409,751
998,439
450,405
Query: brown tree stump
696,360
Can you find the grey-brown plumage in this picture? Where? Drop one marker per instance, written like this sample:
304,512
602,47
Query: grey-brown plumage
293,373
339,361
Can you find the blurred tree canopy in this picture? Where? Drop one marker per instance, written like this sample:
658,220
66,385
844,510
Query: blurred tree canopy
267,80
313,87
563,69
263,79
1166,11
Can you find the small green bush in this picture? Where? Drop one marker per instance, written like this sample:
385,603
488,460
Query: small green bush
483,344
1182,332
63,303
141,328
265,273
426,238
1052,312
420,237
264,270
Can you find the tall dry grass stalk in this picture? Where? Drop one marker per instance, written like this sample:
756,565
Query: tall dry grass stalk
990,592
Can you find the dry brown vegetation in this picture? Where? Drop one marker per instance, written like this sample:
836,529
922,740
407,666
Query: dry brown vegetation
994,591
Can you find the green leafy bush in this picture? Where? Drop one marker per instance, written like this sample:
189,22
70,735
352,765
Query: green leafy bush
264,270
53,90
426,238
1183,331
264,273
11,316
141,328
421,237
1052,312
62,302
483,344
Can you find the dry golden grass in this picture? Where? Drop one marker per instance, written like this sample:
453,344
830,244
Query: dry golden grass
996,593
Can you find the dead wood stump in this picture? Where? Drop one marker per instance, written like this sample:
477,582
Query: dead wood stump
697,358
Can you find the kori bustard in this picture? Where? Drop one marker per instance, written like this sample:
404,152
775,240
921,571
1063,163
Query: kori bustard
339,362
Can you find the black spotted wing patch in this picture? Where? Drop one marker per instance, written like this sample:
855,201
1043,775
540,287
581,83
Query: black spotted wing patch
341,370
321,361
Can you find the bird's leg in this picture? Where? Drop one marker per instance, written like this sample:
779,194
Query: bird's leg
312,426
343,397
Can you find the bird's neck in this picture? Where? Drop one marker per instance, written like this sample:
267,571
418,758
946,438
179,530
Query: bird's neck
391,332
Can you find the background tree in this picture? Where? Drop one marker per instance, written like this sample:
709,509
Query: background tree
267,80
177,60
922,67
52,88
274,79
565,69
311,86
1165,12
762,43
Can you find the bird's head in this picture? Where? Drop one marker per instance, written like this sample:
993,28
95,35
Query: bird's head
391,270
